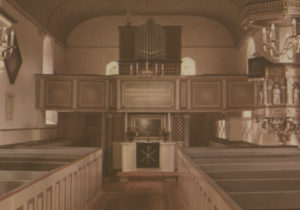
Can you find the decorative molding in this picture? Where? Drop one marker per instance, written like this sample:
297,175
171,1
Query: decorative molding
259,10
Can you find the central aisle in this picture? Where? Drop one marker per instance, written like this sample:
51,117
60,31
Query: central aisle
140,195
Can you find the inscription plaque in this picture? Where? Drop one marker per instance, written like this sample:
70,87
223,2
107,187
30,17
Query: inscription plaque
148,94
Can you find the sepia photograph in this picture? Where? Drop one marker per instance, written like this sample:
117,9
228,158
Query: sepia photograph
149,105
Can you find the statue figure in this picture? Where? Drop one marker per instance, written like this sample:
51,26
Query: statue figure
261,95
296,93
276,93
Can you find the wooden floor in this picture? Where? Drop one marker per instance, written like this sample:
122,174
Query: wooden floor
140,195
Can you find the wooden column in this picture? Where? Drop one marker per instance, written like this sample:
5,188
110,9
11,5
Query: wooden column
187,130
108,142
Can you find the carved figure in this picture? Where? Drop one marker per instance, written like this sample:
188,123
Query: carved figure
261,95
276,93
296,93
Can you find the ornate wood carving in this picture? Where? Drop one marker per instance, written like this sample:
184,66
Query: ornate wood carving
258,10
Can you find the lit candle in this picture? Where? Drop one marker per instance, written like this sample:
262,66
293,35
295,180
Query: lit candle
3,32
12,38
272,34
264,32
294,26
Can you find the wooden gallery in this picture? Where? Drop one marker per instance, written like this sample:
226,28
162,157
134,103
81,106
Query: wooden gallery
137,105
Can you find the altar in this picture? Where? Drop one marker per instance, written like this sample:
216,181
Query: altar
148,155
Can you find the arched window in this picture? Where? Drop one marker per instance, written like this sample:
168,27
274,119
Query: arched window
51,116
188,66
112,68
48,63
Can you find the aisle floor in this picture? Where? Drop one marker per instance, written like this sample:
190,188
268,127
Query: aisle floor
140,195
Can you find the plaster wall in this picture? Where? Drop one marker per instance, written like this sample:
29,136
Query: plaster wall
94,43
27,123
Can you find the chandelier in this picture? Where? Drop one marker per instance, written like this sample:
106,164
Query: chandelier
7,42
291,45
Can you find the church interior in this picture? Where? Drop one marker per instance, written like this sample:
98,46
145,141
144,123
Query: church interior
149,105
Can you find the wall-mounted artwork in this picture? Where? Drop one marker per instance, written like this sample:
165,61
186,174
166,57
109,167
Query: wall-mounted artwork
9,106
13,63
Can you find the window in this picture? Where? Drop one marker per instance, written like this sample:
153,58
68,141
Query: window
188,66
48,68
112,68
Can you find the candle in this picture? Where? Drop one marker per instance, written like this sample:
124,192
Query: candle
294,26
131,69
264,32
272,34
3,32
12,38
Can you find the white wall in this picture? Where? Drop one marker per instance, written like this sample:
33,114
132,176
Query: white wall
94,43
27,123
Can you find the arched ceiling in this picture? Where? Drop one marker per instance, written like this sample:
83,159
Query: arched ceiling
60,16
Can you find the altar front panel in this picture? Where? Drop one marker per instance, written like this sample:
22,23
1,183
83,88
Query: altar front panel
147,155
166,157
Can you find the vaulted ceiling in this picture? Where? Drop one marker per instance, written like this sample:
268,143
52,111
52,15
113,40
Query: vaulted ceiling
59,17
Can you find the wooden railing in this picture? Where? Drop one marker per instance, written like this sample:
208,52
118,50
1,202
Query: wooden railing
199,191
69,187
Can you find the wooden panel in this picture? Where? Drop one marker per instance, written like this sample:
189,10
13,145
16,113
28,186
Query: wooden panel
206,94
126,43
40,201
173,43
113,94
74,191
183,94
58,94
30,204
49,200
240,94
20,208
63,193
148,94
91,95
57,196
